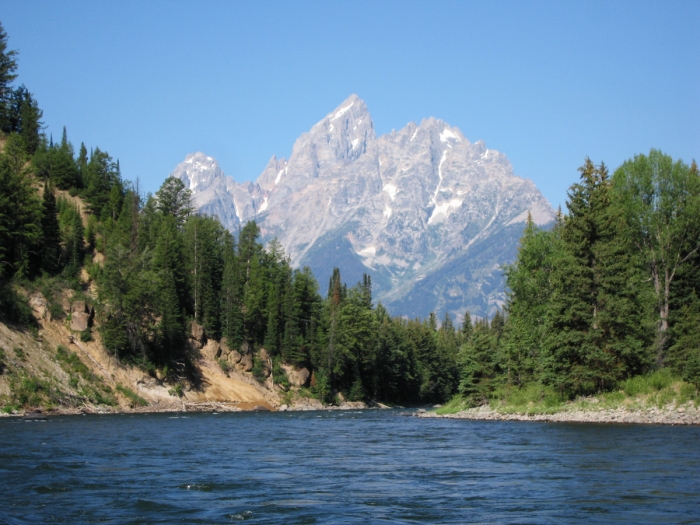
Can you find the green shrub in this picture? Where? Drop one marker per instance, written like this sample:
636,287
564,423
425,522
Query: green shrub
688,392
177,390
635,386
664,397
649,383
71,363
86,336
258,370
532,398
56,310
279,375
613,398
19,353
136,400
29,391
225,367
98,397
457,404
320,385
661,379
357,392
14,307
305,392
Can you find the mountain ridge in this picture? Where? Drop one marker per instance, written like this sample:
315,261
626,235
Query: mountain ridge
417,205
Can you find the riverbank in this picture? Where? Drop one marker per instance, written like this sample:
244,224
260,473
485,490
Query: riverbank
686,414
184,406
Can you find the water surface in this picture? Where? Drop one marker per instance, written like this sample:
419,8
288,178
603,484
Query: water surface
343,467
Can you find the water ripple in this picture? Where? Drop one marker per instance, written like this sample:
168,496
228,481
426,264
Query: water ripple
329,467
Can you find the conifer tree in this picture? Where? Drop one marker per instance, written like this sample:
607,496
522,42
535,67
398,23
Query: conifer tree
292,341
8,66
528,282
172,289
51,239
174,199
30,122
100,178
394,369
231,316
57,164
20,213
204,247
467,326
82,163
684,355
478,364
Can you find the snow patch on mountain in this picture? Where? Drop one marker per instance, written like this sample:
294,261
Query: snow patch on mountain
428,214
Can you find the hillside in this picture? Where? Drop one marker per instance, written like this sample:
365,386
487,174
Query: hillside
49,366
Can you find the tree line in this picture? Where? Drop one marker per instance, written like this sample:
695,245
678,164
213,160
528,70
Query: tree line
608,292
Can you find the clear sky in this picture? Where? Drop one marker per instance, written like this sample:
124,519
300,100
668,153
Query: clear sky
546,83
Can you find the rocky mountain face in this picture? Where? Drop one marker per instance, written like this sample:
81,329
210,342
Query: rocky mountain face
428,214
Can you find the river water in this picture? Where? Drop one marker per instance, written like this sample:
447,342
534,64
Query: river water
343,467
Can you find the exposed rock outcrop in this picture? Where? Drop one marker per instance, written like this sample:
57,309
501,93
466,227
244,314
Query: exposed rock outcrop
428,214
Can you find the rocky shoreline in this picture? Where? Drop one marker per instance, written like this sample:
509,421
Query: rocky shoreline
686,414
40,414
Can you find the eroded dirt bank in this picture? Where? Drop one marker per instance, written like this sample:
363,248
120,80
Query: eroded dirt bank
50,368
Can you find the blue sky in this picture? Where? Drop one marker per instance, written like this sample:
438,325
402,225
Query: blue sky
546,83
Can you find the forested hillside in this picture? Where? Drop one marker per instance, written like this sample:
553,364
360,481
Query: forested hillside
609,293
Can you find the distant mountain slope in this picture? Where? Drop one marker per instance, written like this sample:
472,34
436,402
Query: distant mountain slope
428,214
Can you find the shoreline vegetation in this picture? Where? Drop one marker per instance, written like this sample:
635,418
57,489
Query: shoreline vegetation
656,398
112,298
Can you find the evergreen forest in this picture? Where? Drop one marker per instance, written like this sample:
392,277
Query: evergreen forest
607,293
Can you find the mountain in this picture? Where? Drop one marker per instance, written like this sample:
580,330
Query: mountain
428,214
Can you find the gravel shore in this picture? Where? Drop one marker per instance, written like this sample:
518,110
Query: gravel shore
686,414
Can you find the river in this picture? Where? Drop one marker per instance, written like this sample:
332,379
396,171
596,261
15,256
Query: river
343,467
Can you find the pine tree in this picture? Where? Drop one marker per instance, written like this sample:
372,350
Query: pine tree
394,368
174,199
100,176
74,243
353,344
51,241
204,248
20,214
292,341
572,304
8,66
82,163
477,362
684,354
467,326
30,122
528,281
57,163
596,313
231,316
172,289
